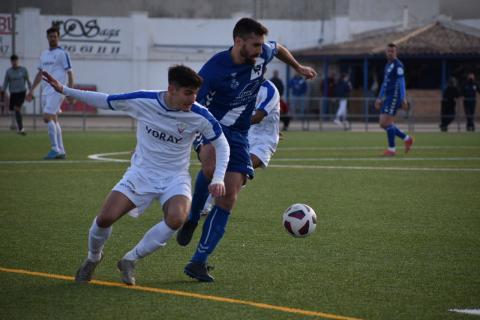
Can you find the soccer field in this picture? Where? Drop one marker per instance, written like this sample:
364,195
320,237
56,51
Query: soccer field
396,238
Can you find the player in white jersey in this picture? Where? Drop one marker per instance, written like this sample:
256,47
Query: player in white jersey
167,124
264,134
56,61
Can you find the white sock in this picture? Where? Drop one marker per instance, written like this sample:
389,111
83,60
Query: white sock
52,134
154,239
61,149
96,240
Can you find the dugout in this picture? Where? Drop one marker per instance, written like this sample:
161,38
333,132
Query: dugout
431,54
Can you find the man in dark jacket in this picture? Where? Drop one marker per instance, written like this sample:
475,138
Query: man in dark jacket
449,97
470,90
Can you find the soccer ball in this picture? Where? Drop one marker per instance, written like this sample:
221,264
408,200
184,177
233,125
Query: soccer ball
300,220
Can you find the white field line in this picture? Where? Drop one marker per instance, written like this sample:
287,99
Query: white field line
467,311
108,157
372,148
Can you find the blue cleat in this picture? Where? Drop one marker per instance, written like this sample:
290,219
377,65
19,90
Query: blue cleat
51,155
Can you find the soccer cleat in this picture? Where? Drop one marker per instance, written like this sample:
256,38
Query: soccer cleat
199,271
388,153
337,122
61,156
22,133
85,272
408,144
51,155
127,270
184,235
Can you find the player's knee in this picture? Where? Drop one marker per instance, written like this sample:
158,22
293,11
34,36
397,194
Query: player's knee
175,221
104,221
227,202
208,169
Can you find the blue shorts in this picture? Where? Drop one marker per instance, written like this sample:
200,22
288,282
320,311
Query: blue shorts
390,106
239,160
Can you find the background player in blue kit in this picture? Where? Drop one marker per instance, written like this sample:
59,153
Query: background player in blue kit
392,95
232,79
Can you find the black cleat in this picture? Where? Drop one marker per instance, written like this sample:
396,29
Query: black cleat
84,274
184,235
199,271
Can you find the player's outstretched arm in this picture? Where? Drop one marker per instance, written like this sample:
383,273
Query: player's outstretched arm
54,83
286,56
96,99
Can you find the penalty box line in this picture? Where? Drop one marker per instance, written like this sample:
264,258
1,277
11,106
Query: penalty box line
183,294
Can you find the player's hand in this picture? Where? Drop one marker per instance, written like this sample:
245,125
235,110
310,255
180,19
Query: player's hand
29,97
405,105
378,104
217,189
307,72
54,83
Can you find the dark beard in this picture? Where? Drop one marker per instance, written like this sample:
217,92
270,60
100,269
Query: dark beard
248,60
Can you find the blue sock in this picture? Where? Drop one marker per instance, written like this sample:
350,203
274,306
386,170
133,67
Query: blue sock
391,135
399,133
200,196
213,230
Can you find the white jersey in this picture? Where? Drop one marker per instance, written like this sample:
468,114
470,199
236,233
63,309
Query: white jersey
164,136
56,62
267,131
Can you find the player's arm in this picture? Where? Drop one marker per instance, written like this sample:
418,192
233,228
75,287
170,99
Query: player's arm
36,81
286,56
222,154
5,83
378,102
70,78
96,99
258,116
403,93
27,79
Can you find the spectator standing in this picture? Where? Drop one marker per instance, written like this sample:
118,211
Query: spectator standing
342,91
298,87
470,90
449,97
278,83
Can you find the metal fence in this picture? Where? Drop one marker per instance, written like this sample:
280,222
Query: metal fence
317,114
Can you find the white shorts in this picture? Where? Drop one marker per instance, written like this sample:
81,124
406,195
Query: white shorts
52,102
263,151
142,191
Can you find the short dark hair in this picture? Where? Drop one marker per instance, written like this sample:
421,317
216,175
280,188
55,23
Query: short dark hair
182,76
246,26
392,45
53,30
13,57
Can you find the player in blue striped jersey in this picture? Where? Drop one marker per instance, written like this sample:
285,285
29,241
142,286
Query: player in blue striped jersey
167,124
232,79
264,133
391,97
